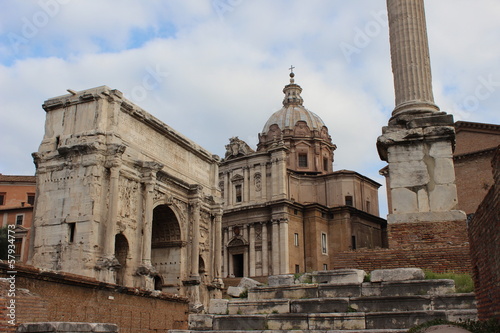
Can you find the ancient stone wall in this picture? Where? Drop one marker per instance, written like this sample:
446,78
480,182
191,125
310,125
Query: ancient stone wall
484,234
49,296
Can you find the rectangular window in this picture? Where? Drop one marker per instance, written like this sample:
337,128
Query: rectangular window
31,199
238,193
297,269
302,160
18,248
324,248
19,219
296,239
325,267
325,164
353,240
348,200
71,227
368,206
2,199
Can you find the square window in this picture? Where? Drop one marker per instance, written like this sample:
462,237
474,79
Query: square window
303,160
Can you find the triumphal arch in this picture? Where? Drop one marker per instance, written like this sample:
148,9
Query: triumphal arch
125,199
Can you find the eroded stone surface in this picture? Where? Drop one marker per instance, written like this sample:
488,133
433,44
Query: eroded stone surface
397,274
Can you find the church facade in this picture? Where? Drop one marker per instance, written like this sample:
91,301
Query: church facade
285,209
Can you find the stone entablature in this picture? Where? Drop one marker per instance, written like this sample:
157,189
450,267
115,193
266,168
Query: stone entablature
109,176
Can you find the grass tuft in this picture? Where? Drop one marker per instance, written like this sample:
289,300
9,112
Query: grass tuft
463,282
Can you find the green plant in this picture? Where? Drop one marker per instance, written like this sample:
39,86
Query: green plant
275,311
463,282
490,326
367,278
351,309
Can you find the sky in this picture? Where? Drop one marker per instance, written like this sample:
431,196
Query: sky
214,69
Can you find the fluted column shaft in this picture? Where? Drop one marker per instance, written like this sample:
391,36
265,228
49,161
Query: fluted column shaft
218,247
265,252
148,223
251,257
109,244
195,246
410,56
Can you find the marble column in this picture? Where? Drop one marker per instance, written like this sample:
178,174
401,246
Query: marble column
195,246
251,244
218,248
410,57
276,248
109,244
148,223
265,252
284,249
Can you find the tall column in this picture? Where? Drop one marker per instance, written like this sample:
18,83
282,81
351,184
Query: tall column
109,244
265,252
230,269
281,165
276,247
251,244
218,248
195,246
410,57
284,249
148,223
226,188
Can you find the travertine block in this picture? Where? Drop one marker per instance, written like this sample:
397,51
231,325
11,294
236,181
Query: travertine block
398,274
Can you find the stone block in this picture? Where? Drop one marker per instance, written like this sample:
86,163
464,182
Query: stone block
67,327
337,321
443,198
455,301
397,274
406,153
291,292
403,201
235,291
417,287
240,322
218,306
339,276
399,320
444,171
248,283
200,321
320,305
408,174
340,290
259,307
288,321
280,280
388,303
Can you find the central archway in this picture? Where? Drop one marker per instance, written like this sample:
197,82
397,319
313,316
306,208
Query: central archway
166,247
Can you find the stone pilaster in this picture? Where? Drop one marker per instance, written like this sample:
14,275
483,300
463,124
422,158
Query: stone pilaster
265,252
284,249
263,172
225,272
195,245
251,244
276,247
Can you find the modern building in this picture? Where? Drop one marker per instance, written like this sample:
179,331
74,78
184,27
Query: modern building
17,198
285,209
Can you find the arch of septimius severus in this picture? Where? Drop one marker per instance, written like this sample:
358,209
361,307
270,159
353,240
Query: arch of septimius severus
125,199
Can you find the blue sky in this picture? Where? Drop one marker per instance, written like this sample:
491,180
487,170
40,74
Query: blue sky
219,66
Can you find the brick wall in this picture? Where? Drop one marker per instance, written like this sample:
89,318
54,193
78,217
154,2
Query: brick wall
417,235
48,296
484,234
436,259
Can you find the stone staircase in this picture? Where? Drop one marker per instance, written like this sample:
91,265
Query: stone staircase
338,301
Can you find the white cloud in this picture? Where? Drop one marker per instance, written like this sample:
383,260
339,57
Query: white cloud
220,70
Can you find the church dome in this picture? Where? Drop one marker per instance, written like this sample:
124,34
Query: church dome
293,111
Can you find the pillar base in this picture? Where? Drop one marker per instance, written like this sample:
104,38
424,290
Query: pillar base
453,215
